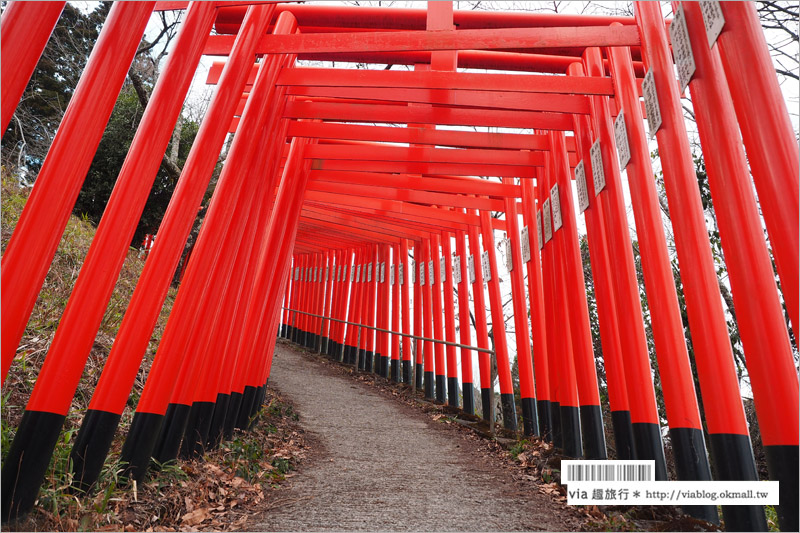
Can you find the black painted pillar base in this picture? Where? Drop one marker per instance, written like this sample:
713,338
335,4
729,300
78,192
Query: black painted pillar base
594,438
362,359
530,423
486,404
418,376
282,332
429,385
509,411
623,434
545,419
233,413
570,431
325,342
691,463
385,366
255,409
140,443
169,439
406,371
647,440
452,392
294,335
558,435
215,430
441,388
396,370
27,461
196,432
734,461
91,447
782,464
248,398
468,393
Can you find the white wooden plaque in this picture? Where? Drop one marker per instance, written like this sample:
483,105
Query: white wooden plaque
597,167
713,20
431,277
555,202
471,268
369,273
547,223
651,104
509,259
391,274
539,229
400,270
442,270
421,273
621,138
525,242
383,272
682,48
457,269
485,270
580,182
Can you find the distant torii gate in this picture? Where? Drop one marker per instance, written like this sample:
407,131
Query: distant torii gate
320,202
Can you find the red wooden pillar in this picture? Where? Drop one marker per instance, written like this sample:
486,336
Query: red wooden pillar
554,348
427,314
372,346
561,193
461,278
394,281
728,434
329,305
435,282
286,305
414,279
449,319
475,273
403,280
35,239
498,325
569,398
362,316
769,138
759,314
530,423
67,355
386,289
351,351
537,312
603,280
24,32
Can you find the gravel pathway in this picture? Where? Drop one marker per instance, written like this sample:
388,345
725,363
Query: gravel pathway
383,465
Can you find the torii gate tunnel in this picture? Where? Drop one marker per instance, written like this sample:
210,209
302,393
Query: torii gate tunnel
336,176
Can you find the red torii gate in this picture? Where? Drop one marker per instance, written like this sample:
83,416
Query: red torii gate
338,198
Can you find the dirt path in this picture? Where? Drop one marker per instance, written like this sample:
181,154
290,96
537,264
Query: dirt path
386,466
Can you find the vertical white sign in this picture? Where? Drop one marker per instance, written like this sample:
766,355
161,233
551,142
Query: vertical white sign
383,272
621,138
651,106
391,274
712,19
431,277
358,274
369,273
682,48
442,270
457,269
546,221
471,268
539,229
525,241
580,181
555,202
296,273
509,258
598,173
485,269
421,273
400,270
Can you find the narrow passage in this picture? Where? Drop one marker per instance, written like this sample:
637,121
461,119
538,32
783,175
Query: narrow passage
382,465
